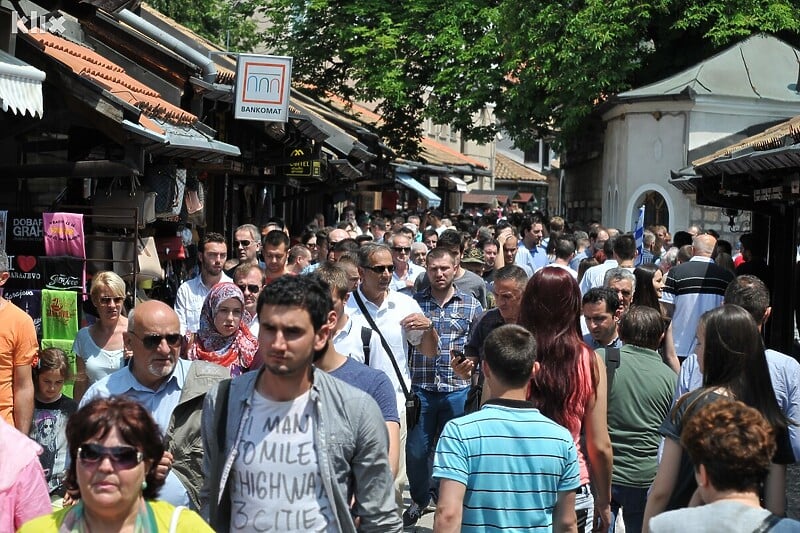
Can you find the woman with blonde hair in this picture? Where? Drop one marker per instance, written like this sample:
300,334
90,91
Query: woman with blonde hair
100,347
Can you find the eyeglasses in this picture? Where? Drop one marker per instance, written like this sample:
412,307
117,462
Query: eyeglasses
380,269
401,249
106,300
244,244
124,457
253,289
152,342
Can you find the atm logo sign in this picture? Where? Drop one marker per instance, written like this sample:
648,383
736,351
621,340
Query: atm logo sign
263,83
262,87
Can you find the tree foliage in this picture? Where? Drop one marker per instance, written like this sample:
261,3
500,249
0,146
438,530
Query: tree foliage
545,64
227,23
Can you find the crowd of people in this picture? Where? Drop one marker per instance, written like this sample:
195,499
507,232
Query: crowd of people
512,373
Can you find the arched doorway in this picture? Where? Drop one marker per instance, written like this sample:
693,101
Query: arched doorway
656,211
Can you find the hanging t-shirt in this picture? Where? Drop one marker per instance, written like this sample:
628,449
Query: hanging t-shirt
49,430
276,483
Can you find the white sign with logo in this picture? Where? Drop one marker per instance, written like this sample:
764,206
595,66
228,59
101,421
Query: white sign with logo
262,87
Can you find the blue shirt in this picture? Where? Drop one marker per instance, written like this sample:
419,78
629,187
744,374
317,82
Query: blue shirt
160,403
452,322
537,254
513,461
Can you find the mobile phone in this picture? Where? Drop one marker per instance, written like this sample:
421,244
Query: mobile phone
458,354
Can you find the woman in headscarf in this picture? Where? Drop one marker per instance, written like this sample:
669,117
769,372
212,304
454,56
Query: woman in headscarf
224,337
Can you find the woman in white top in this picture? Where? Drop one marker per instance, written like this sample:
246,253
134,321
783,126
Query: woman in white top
99,347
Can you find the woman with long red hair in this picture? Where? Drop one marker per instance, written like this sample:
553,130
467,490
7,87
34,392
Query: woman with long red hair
568,385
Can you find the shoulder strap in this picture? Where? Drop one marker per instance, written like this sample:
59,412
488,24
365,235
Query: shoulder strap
176,515
221,409
768,523
366,336
385,344
612,363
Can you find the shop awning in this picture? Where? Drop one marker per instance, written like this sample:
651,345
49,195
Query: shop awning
523,197
477,198
408,181
461,185
20,86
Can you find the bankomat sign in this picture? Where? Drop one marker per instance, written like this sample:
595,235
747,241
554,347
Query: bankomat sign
262,87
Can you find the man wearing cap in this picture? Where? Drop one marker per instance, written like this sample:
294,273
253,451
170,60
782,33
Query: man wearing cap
472,260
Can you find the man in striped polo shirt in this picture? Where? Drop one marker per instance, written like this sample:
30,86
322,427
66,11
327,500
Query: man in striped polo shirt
691,289
506,467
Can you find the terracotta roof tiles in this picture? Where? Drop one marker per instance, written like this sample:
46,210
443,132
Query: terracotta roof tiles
89,64
507,169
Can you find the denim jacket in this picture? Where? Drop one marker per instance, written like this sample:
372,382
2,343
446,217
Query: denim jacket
352,449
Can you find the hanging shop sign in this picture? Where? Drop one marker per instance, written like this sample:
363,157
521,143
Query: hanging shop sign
301,165
262,87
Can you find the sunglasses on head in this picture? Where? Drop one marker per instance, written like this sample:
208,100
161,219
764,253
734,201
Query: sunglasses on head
152,342
105,300
253,289
379,269
401,249
124,457
244,243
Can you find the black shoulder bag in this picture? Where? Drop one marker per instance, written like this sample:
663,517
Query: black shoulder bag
612,363
413,404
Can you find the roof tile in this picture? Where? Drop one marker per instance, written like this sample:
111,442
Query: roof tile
89,64
506,168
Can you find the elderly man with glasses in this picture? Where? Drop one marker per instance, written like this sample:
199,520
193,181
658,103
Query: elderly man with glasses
405,272
246,246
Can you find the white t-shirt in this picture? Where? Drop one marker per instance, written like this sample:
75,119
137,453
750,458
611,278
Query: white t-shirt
275,482
99,362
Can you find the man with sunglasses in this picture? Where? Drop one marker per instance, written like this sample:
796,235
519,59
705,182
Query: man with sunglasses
246,246
405,272
390,309
192,293
250,279
171,388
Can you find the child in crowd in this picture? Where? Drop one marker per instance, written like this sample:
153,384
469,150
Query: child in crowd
50,414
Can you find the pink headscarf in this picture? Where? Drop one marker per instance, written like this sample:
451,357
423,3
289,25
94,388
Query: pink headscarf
236,351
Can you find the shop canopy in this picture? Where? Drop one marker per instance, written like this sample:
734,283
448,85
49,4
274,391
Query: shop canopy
408,181
20,86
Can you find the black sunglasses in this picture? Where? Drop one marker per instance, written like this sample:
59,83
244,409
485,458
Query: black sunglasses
244,244
401,249
252,288
379,269
124,457
152,342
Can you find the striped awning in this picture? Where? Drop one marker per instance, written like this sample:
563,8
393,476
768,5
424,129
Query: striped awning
20,86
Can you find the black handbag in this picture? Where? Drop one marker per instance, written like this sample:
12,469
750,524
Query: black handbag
413,403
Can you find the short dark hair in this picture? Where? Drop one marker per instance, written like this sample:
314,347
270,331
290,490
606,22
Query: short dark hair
452,240
135,426
602,294
211,236
641,326
305,291
512,272
625,246
439,252
565,246
750,293
681,238
346,245
510,351
276,237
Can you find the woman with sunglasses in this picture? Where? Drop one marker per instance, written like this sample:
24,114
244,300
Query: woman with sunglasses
224,337
99,347
115,447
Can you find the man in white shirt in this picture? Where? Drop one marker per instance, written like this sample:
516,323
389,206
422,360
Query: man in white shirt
405,272
192,293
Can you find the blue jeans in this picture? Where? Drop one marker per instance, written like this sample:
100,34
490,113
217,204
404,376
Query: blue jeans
632,501
437,409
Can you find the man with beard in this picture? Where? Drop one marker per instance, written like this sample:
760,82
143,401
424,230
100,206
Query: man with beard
298,449
192,293
172,389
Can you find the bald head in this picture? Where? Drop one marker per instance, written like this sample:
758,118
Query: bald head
149,312
703,245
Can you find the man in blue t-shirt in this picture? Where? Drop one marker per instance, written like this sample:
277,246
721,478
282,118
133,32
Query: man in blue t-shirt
506,467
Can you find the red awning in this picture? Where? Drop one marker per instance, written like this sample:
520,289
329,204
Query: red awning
523,197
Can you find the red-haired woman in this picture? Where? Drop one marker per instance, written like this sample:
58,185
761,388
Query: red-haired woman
568,385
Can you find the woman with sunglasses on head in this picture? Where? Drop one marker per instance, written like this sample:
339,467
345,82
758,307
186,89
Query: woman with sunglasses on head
99,347
224,337
115,447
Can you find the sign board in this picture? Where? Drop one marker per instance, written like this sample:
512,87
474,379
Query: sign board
262,87
301,165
